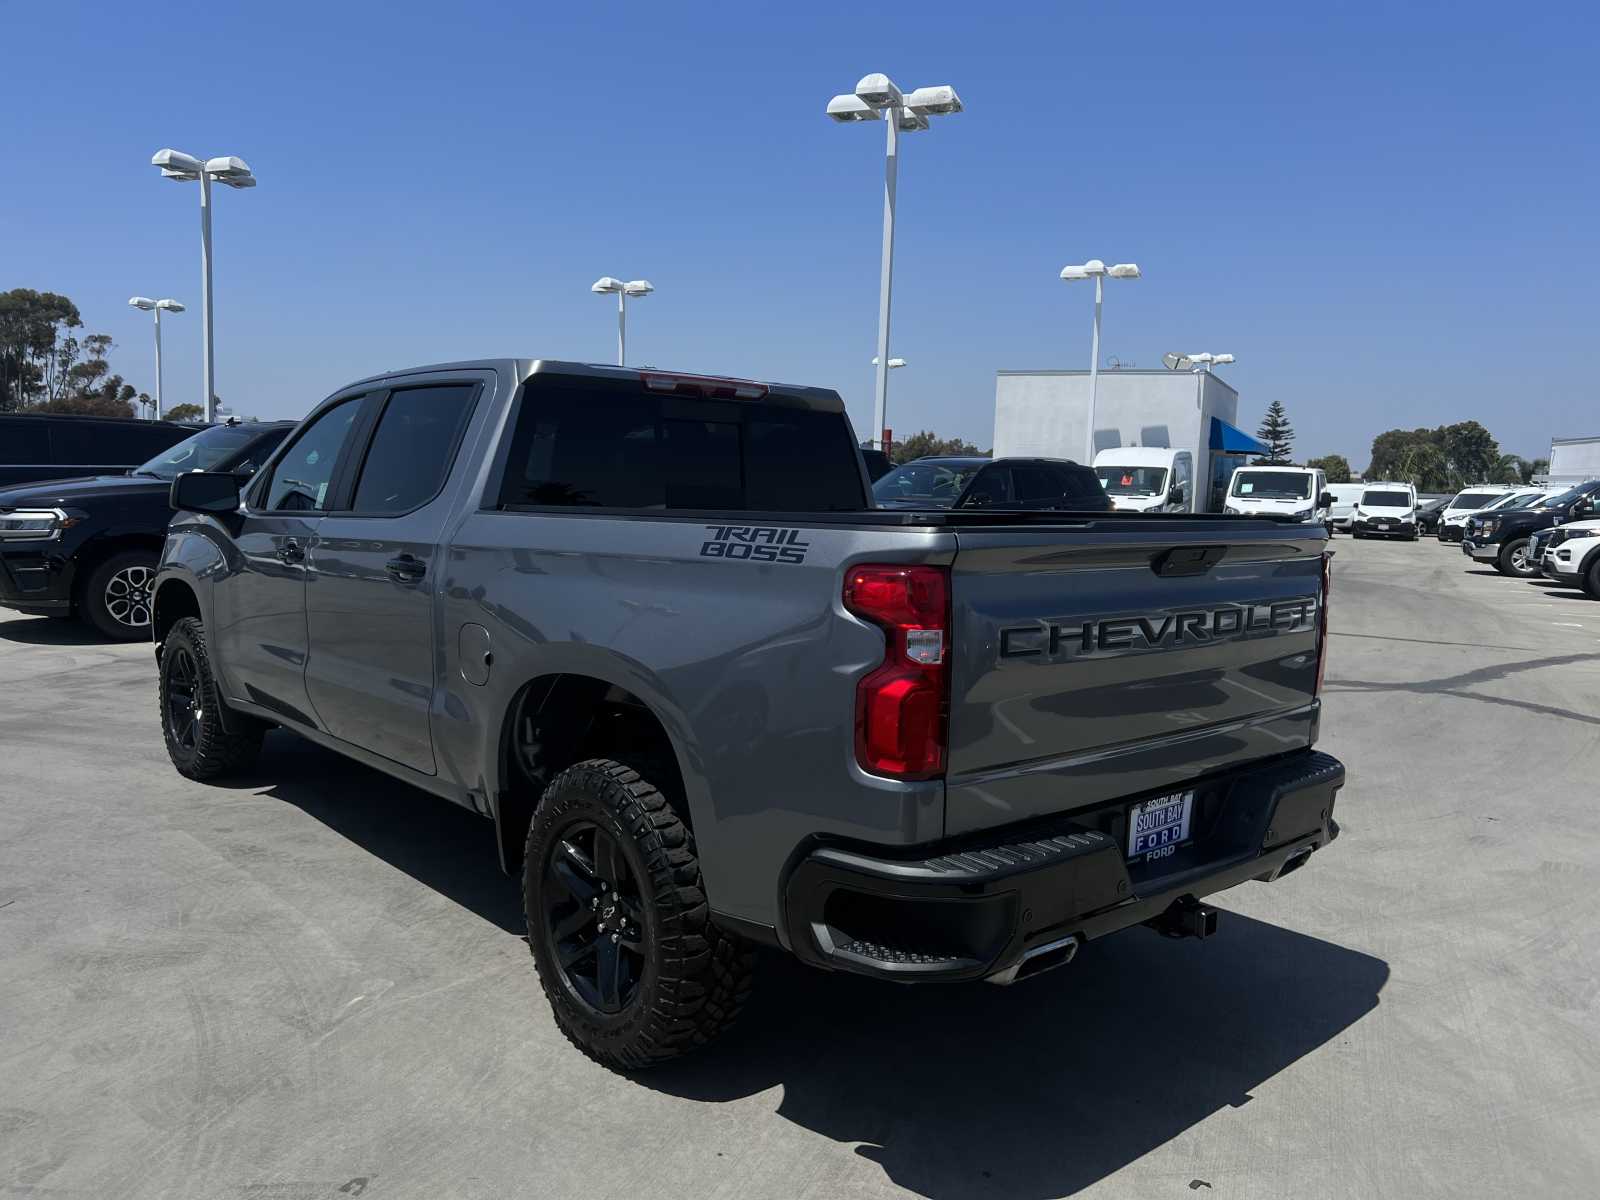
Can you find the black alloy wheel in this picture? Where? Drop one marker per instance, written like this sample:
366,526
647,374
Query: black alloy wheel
593,917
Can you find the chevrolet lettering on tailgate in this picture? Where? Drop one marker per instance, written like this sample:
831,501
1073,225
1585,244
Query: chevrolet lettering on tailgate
1053,640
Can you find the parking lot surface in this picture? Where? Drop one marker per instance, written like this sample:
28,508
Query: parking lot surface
314,983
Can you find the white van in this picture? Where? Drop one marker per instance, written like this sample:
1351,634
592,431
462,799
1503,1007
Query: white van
1298,492
1147,478
1345,496
1386,510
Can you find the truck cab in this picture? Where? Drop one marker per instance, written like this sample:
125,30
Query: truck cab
1147,479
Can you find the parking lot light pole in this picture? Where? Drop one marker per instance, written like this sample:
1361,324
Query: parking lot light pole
1096,270
876,97
158,307
638,288
235,172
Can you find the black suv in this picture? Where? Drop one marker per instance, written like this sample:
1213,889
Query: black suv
88,547
1501,536
35,446
970,482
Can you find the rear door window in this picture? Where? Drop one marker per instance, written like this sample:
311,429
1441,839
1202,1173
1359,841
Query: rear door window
413,447
24,442
606,445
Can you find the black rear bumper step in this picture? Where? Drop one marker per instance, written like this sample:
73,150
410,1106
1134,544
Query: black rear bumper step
980,907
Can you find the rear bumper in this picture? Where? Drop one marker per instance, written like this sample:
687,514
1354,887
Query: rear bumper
991,905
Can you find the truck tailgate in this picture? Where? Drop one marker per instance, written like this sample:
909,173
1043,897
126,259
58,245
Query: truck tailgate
1104,659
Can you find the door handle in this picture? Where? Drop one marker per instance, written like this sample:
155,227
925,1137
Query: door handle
406,568
290,551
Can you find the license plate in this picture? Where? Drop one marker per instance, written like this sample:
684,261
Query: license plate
1383,527
1159,823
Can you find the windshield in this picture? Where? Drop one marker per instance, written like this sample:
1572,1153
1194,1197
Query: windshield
1272,485
205,451
934,483
1386,499
1132,481
1565,498
1474,500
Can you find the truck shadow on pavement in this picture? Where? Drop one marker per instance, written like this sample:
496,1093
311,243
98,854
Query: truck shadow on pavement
1043,1088
955,1091
52,631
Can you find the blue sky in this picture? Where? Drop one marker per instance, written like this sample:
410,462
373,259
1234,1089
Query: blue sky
1387,212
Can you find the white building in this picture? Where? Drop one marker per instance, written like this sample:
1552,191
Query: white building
1045,414
1572,460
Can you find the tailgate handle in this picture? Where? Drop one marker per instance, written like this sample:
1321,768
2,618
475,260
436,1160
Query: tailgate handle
1188,560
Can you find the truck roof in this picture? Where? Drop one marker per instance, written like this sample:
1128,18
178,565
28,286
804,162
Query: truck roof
822,399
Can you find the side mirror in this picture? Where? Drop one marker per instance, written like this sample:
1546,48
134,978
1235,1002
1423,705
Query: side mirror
1325,500
1175,495
205,492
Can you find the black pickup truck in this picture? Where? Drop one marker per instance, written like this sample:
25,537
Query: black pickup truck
1502,536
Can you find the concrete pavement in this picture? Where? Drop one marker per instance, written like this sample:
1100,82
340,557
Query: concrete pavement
314,984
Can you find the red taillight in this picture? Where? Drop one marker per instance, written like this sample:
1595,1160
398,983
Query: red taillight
1322,621
704,385
901,707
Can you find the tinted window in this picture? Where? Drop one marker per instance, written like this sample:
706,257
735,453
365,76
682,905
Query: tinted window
413,447
301,479
1386,499
936,484
24,442
1059,486
618,446
991,489
209,450
1474,499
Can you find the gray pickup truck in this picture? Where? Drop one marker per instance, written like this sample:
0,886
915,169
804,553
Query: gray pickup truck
650,626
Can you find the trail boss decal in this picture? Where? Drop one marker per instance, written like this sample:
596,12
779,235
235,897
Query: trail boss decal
755,543
1052,641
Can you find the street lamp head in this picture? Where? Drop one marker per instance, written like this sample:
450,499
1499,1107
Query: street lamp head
234,172
1086,270
938,101
169,305
175,164
1219,359
638,287
1202,359
607,284
143,302
910,121
1124,271
847,109
878,91
893,362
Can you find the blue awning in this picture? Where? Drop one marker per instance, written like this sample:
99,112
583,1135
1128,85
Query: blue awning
1229,440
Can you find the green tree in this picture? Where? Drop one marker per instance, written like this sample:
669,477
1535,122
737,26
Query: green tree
925,443
184,412
1472,453
1444,459
1335,466
1277,433
35,342
1539,466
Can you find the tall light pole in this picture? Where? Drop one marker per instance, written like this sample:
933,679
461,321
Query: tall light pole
158,307
234,172
636,288
1096,270
875,98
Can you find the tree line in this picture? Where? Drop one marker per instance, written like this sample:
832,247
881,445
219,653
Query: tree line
47,366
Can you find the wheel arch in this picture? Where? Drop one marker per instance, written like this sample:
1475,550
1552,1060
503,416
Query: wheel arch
561,717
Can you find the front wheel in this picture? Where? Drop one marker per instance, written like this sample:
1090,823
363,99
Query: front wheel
116,596
621,933
1514,560
191,711
1591,579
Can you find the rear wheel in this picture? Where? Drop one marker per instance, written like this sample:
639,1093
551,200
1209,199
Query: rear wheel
191,711
116,596
621,933
1514,560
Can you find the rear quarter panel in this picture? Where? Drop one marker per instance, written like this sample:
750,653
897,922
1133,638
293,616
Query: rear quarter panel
750,666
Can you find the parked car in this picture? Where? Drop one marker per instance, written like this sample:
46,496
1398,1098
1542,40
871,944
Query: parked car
1453,517
650,625
1428,514
1012,483
1147,478
39,446
1342,511
1386,510
1297,492
1503,537
88,547
878,464
1570,558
